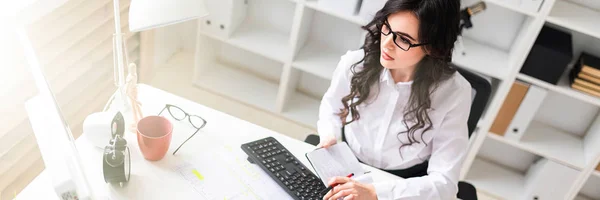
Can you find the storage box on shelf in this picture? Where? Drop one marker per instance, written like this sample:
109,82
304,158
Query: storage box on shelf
511,173
590,189
550,55
236,73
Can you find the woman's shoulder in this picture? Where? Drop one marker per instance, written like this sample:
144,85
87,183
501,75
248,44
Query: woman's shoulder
456,88
348,60
352,57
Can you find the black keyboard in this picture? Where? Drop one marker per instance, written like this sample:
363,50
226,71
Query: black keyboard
284,168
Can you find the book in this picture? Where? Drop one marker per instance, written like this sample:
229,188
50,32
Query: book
586,81
336,160
589,64
509,108
587,84
585,89
588,78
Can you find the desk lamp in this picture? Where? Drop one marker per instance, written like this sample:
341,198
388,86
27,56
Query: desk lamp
145,15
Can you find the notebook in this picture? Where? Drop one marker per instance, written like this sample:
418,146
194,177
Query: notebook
337,160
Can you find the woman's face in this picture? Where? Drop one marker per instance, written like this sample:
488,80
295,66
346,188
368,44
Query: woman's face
406,26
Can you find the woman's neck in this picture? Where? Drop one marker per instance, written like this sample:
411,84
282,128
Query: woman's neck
402,75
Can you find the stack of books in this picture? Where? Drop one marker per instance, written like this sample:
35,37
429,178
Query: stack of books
585,76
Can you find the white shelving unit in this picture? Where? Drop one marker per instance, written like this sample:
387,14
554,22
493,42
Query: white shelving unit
577,151
279,55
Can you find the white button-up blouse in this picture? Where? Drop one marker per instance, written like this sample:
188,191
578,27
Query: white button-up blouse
374,137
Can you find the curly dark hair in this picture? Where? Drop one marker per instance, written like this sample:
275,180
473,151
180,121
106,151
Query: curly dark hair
439,28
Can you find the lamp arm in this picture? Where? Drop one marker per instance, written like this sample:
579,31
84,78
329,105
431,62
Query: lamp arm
118,45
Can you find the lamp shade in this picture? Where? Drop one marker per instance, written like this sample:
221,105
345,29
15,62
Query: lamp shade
149,14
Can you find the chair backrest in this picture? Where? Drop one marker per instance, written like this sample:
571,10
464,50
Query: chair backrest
481,94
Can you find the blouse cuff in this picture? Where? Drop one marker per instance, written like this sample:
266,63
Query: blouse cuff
385,190
329,130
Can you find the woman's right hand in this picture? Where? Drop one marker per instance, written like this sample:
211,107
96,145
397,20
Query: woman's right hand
326,141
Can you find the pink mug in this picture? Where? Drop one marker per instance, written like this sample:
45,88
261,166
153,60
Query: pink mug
154,135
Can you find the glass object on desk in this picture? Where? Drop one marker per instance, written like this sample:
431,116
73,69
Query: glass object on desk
119,98
179,114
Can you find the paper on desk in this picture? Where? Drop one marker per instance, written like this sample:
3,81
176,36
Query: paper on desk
337,160
226,174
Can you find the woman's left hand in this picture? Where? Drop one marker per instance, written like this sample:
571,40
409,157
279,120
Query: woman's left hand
350,189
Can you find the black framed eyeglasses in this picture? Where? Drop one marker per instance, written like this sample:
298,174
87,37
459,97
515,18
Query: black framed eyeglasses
400,39
179,114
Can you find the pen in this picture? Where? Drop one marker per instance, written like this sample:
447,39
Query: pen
331,186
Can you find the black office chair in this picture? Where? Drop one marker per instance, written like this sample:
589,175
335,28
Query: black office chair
481,94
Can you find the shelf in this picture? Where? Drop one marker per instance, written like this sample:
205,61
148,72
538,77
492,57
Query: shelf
575,17
261,40
318,59
303,109
352,18
495,179
513,7
482,59
233,83
562,87
551,143
580,197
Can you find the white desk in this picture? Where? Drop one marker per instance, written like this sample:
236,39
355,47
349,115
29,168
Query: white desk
158,180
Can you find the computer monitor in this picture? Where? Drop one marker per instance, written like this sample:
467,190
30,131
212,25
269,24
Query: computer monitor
53,135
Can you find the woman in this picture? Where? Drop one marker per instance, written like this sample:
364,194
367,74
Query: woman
400,105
